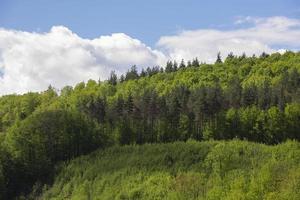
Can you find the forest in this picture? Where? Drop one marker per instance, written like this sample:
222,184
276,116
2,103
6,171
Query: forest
188,130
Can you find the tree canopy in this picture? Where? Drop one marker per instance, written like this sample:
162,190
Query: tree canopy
249,98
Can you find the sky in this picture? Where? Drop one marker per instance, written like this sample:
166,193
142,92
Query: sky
41,41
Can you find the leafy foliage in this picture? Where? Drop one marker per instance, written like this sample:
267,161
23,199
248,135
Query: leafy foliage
192,170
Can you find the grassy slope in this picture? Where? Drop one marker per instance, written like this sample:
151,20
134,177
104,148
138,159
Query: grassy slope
192,170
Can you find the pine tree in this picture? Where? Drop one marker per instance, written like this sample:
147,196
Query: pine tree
195,62
249,95
129,104
122,78
132,74
182,64
143,73
169,67
113,78
175,66
264,55
219,59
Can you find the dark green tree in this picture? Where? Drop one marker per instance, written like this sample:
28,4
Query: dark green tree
219,59
113,79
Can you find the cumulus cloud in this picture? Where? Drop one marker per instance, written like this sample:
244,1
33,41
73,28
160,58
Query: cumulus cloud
260,35
33,61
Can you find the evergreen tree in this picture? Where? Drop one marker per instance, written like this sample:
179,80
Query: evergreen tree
175,66
129,105
143,73
234,93
182,64
132,74
122,78
219,59
264,55
249,95
113,78
189,64
195,62
169,67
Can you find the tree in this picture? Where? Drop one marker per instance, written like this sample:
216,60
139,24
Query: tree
292,115
3,189
132,74
251,123
234,93
195,62
169,67
50,136
129,105
280,91
66,91
175,66
275,126
264,95
152,71
99,109
219,59
91,84
294,85
48,96
125,133
80,86
122,78
143,73
174,117
198,103
249,95
113,79
28,104
264,55
182,64
233,126
230,56
47,137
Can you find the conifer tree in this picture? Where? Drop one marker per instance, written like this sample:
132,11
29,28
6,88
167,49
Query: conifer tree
219,59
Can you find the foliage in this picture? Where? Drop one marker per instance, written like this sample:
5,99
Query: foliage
43,139
192,170
248,98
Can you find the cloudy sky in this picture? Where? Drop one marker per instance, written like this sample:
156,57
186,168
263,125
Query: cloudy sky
62,42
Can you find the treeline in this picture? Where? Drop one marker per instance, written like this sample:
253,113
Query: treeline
250,98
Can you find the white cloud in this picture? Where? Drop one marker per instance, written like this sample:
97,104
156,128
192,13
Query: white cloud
261,35
32,61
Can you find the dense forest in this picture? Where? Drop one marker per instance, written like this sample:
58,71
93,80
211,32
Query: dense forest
242,98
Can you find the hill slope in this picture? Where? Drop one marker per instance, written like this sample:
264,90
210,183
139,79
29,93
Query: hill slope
247,98
191,170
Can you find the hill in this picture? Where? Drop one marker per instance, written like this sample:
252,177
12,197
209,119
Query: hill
247,98
191,170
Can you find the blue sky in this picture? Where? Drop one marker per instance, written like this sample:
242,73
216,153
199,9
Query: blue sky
63,42
145,20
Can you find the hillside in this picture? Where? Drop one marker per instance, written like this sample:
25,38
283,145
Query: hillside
191,170
256,99
237,98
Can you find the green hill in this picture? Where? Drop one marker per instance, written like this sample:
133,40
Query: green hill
191,170
255,99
